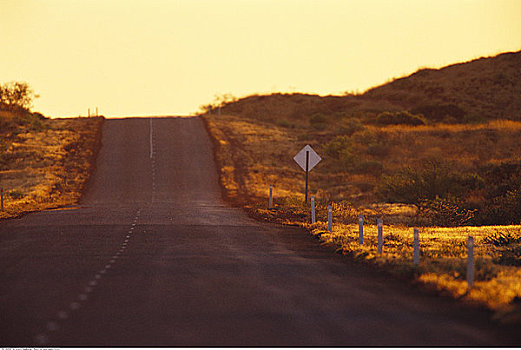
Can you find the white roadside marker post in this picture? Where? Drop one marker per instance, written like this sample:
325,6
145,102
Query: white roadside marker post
470,262
380,236
270,202
330,218
312,209
416,247
360,229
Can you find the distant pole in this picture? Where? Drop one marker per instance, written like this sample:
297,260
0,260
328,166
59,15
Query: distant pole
270,202
416,247
380,236
307,175
330,218
97,112
470,262
151,141
360,229
2,199
313,209
89,112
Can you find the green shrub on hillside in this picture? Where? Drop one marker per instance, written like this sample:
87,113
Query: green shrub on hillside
339,147
440,112
351,126
318,121
400,118
372,167
447,212
435,180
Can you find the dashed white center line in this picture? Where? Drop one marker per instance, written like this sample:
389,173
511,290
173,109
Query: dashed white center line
51,326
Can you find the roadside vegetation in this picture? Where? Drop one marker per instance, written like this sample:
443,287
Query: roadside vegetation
44,163
439,150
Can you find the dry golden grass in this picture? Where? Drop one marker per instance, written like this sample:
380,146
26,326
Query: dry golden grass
443,253
257,136
48,166
253,154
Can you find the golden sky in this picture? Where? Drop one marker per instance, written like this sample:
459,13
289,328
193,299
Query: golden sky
168,57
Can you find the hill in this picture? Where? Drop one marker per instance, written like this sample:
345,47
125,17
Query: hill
436,139
437,150
44,163
475,91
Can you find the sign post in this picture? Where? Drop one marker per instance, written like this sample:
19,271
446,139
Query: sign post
307,158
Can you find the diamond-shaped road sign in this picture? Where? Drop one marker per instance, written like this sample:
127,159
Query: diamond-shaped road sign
313,160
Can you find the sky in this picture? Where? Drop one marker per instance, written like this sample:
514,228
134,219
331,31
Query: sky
168,57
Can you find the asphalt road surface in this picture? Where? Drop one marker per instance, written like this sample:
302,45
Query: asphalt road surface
153,257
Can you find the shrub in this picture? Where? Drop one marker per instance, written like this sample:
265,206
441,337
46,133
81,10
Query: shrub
15,96
378,149
338,147
341,150
440,112
503,210
372,167
15,194
400,118
318,121
502,238
284,123
436,179
351,126
446,212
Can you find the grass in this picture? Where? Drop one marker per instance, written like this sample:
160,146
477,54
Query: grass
253,154
460,168
45,163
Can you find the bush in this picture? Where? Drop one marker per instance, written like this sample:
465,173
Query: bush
378,149
16,96
440,112
372,167
284,123
318,121
502,238
436,179
338,147
400,118
15,194
351,126
446,212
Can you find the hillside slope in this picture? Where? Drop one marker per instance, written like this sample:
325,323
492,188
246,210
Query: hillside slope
45,163
475,91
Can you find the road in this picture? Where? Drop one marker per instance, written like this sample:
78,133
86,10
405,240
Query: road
153,257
